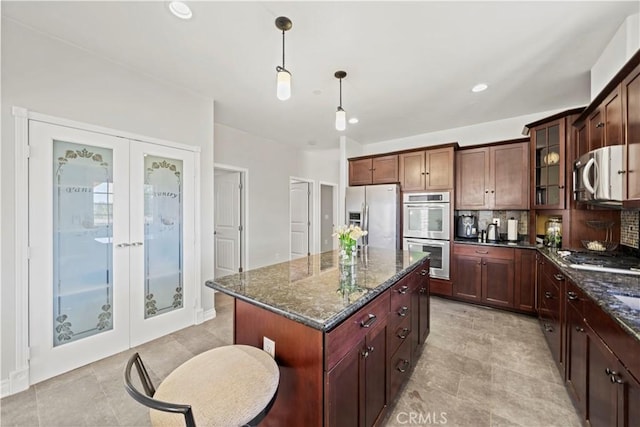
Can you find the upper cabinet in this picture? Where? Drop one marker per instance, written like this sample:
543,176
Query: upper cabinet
427,170
494,177
604,126
631,115
548,165
373,170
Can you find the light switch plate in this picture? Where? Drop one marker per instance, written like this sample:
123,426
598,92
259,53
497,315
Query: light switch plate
269,346
496,221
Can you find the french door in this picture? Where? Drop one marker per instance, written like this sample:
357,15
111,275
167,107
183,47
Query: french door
111,240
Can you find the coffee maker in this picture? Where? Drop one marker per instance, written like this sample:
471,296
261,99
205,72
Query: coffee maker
467,227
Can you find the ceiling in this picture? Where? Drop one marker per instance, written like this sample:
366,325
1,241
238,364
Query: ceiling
410,65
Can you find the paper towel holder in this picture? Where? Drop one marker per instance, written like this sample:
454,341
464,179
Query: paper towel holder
512,230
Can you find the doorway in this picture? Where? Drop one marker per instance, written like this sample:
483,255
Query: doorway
229,220
328,215
300,209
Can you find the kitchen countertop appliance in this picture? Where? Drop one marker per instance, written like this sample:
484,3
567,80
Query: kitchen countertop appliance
467,227
609,262
492,232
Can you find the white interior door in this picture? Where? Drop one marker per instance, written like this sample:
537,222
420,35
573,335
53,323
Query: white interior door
162,244
78,280
227,186
111,237
300,223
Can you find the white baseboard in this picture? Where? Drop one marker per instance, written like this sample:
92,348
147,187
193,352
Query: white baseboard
18,381
210,314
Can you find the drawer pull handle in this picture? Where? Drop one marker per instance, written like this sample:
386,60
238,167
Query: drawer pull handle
548,295
403,366
403,290
600,125
366,352
482,252
579,329
610,372
548,327
423,290
371,319
404,332
403,311
424,272
572,296
616,380
558,277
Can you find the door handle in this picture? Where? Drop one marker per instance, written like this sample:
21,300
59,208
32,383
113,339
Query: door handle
371,319
122,245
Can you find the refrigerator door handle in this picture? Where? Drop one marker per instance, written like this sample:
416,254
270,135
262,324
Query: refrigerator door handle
365,224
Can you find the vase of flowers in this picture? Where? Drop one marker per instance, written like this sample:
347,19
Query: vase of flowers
347,239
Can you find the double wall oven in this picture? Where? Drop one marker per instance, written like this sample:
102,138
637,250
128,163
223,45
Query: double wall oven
426,226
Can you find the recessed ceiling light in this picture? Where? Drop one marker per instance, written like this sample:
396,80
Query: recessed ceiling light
353,120
180,9
479,87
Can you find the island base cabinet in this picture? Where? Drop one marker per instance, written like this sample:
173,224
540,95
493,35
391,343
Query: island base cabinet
356,386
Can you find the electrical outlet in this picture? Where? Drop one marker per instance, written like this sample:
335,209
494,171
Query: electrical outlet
496,221
269,346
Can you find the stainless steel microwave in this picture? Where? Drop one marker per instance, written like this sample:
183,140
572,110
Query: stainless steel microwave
598,176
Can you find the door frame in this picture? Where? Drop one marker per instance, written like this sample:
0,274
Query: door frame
19,377
244,210
312,212
318,247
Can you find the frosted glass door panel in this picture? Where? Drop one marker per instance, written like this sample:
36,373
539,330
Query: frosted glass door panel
163,257
82,241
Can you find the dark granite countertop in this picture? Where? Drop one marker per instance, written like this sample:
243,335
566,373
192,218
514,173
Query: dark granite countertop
308,290
601,288
519,245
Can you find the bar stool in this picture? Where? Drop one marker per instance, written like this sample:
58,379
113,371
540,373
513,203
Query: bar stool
234,385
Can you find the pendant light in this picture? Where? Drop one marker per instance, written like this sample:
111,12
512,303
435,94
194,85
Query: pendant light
283,90
341,115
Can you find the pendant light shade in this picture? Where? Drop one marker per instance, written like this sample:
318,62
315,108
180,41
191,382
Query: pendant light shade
341,115
283,79
341,119
283,84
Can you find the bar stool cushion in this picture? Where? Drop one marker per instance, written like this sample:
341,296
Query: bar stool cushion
225,386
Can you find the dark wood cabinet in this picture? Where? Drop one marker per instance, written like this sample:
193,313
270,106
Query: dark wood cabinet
548,143
373,170
595,127
427,170
484,274
577,345
551,288
493,177
631,114
524,294
582,141
356,385
604,126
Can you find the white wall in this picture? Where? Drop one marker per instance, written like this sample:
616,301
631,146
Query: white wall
623,45
270,165
54,78
482,133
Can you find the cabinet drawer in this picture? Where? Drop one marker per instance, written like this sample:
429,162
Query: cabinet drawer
399,334
400,368
550,297
575,298
553,272
346,335
484,251
401,300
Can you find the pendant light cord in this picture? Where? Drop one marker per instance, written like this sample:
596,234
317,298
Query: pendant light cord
283,67
340,92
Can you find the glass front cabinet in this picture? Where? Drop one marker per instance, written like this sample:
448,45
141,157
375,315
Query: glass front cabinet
548,165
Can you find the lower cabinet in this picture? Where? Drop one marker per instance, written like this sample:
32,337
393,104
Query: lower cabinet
371,354
484,274
357,384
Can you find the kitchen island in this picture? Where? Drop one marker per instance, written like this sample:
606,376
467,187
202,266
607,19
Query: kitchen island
345,337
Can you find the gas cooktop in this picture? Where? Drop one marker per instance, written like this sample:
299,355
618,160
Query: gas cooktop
610,262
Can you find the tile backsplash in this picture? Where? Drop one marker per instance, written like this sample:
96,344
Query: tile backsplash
486,217
630,229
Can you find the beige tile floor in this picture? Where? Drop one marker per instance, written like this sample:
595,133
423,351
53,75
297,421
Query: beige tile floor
480,367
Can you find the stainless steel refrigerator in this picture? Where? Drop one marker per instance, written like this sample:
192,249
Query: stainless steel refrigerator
376,208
